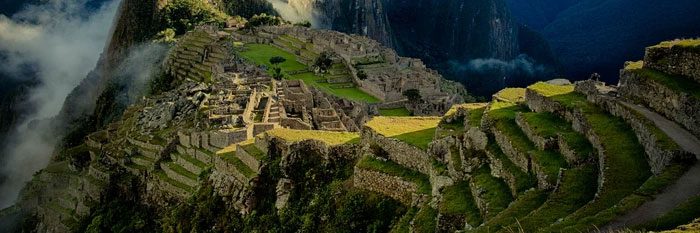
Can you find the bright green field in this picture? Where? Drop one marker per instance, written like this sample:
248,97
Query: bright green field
261,54
351,93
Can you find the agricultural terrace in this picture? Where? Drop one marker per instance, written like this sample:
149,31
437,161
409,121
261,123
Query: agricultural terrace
294,70
416,131
328,137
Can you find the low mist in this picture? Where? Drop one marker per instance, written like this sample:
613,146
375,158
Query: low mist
61,41
296,10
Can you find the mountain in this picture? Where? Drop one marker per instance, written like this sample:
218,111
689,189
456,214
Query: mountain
599,35
453,36
537,14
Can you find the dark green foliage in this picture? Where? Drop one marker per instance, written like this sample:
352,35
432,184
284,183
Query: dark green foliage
324,61
413,95
277,73
264,20
184,15
204,212
361,75
276,60
248,8
303,24
120,210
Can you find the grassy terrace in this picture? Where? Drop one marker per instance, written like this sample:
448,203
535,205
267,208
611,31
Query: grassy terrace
176,183
261,54
511,95
495,191
682,214
457,199
351,93
526,203
395,112
549,161
625,164
475,115
181,170
691,43
416,131
425,220
394,169
403,226
523,181
468,106
192,160
673,82
651,187
328,137
548,125
252,150
240,166
577,188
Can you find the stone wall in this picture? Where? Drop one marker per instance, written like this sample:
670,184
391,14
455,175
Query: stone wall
675,60
658,156
542,143
579,123
680,107
177,176
399,152
224,138
392,186
520,158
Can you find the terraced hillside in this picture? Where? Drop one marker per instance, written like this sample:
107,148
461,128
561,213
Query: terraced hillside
244,152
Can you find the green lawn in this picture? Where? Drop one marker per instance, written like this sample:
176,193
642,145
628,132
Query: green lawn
395,112
261,54
351,93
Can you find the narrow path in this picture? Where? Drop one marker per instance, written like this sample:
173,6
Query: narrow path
684,188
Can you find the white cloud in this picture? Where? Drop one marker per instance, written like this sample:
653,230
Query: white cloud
62,41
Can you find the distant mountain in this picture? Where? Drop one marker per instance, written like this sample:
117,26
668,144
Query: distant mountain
599,35
537,14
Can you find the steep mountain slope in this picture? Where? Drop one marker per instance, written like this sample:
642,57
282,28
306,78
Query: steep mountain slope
450,36
598,35
537,14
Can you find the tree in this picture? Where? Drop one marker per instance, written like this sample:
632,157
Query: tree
324,61
361,75
277,73
413,95
276,60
